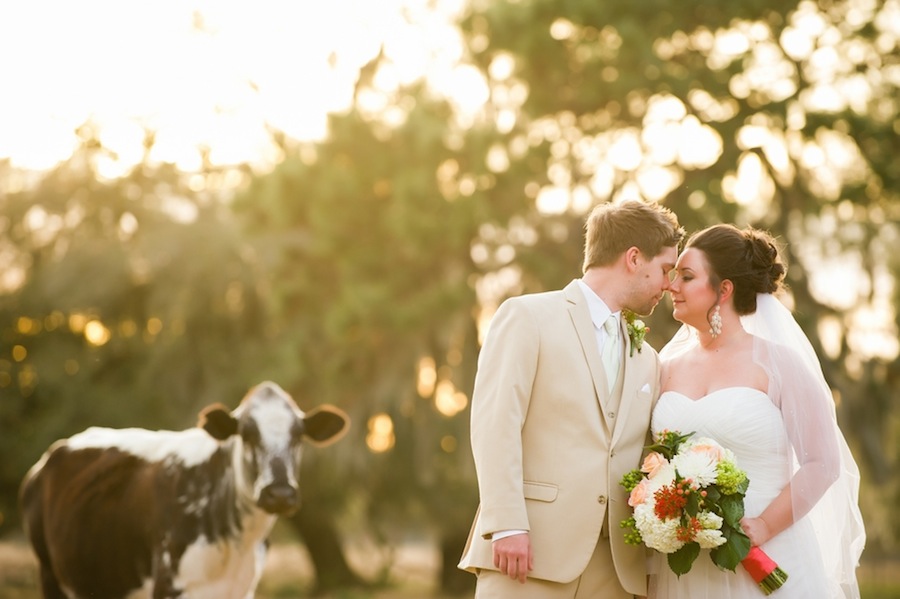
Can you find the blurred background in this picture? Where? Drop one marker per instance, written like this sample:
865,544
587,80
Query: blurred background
196,196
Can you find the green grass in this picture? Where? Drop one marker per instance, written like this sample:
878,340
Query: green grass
879,591
18,580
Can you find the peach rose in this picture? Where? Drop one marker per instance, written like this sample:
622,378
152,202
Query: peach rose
638,494
652,463
713,452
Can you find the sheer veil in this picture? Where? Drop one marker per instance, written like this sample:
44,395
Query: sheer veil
825,480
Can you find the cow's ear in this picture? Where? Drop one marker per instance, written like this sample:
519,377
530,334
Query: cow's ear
324,425
218,422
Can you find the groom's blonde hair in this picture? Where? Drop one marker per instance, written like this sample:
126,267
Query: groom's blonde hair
612,228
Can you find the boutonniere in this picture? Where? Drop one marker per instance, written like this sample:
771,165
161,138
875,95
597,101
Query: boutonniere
636,330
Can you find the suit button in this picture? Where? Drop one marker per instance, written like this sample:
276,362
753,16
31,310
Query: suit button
611,414
601,499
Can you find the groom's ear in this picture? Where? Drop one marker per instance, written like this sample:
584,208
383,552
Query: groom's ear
633,257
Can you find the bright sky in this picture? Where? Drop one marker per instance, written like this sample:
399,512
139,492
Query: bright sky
198,72
215,73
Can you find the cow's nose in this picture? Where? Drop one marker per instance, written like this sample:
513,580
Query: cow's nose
279,499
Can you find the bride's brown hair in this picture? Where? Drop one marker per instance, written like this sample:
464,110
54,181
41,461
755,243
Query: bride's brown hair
748,258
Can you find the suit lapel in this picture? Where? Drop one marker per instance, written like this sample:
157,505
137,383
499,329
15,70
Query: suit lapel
584,327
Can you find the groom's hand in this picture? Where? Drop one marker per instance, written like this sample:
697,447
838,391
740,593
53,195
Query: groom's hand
512,555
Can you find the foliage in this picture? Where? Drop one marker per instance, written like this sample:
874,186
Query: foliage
370,273
687,496
125,313
778,115
362,270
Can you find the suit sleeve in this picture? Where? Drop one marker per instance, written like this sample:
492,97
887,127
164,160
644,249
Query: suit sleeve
503,384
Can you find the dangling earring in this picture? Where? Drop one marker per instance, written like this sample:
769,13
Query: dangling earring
715,323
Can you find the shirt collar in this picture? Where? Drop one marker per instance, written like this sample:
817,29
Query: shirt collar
596,306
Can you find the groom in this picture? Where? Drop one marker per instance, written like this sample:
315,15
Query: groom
560,411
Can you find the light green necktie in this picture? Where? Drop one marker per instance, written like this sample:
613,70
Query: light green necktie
609,354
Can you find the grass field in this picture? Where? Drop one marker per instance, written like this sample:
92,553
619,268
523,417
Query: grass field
288,575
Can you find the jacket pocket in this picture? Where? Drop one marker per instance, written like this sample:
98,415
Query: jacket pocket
540,491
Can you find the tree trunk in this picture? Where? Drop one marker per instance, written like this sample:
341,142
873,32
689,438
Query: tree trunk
315,526
453,580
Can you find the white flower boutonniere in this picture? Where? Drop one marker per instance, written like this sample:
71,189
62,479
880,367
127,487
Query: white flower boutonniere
636,330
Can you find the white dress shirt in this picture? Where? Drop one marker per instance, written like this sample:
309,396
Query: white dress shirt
599,312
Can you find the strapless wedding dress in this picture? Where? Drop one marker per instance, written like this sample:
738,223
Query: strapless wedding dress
744,420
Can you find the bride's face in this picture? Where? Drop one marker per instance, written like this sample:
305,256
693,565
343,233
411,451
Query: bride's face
691,291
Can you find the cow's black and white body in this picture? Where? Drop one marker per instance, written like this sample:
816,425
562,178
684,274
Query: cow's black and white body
132,513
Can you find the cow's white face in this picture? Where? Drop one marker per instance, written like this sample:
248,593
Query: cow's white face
268,429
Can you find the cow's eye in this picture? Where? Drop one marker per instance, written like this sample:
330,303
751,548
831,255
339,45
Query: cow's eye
250,432
297,430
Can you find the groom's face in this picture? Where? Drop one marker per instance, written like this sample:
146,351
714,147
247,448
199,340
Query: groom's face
652,281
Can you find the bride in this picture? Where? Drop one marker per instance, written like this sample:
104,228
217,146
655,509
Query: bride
742,372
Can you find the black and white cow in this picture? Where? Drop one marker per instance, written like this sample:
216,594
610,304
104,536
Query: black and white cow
132,513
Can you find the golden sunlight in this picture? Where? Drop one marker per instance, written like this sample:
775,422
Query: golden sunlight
448,400
427,377
96,333
204,77
380,437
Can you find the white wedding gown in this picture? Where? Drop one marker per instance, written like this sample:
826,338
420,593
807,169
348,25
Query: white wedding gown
747,422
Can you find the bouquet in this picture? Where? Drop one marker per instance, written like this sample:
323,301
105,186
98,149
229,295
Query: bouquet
689,495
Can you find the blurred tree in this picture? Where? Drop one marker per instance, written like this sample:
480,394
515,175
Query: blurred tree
780,115
124,302
362,271
369,265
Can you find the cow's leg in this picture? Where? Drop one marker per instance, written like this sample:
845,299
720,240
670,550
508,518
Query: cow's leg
163,575
49,584
34,530
259,564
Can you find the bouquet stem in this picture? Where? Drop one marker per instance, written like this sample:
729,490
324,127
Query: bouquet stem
764,571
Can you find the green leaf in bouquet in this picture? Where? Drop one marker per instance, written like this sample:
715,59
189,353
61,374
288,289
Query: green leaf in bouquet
712,495
736,547
681,561
664,450
692,507
669,443
732,510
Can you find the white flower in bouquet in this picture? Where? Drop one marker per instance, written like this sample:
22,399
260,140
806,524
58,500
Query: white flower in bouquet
657,534
698,461
688,495
710,535
665,476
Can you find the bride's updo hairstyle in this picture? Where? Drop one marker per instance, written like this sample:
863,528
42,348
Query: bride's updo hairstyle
748,258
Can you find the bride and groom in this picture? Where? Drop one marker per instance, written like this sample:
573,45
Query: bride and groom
567,396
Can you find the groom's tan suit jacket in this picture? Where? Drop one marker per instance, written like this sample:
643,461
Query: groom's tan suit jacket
551,442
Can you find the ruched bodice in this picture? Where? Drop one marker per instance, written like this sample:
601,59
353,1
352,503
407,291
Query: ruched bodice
746,421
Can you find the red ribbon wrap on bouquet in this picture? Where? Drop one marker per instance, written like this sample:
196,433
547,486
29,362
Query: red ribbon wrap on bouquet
764,571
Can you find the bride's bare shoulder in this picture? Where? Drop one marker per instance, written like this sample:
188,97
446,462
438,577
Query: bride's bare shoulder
669,369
